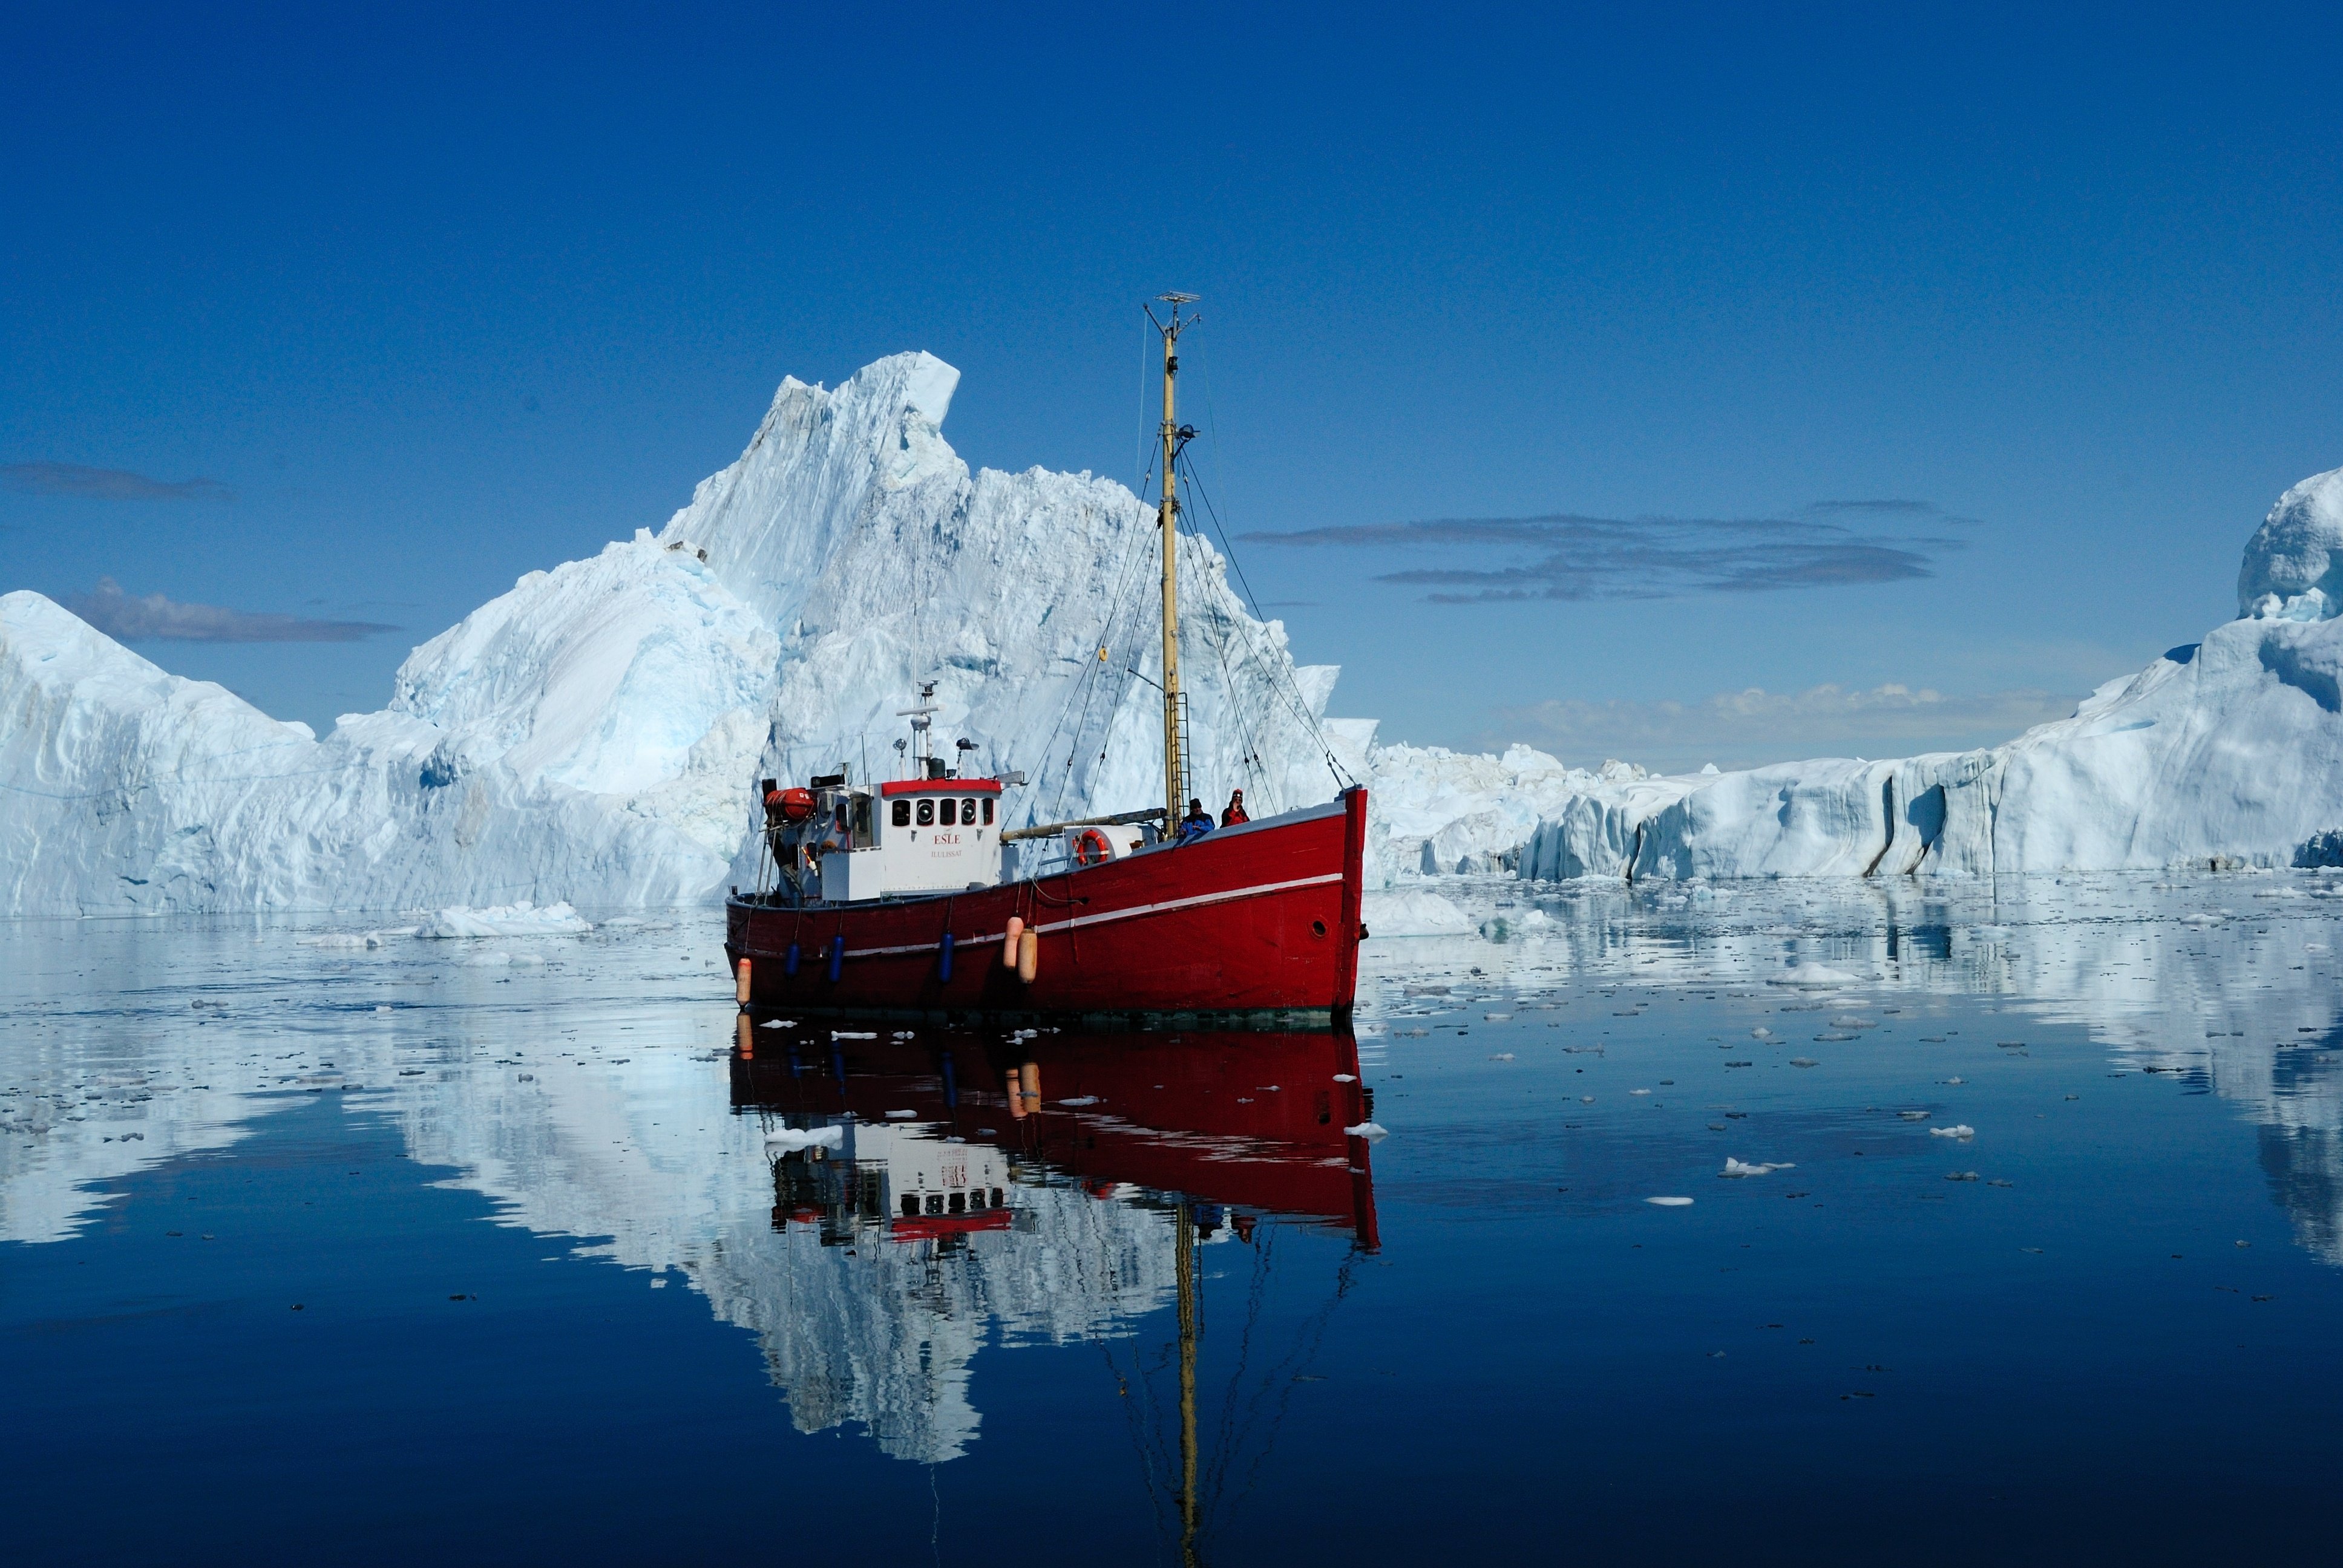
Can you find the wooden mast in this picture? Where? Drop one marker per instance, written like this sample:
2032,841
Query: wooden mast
1167,510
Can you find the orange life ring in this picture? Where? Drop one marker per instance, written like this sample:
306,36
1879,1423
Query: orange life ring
1092,849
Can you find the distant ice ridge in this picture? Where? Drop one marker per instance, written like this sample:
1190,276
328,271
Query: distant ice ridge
594,734
2226,752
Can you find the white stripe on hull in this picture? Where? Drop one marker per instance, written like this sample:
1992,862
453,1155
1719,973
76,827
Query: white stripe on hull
1103,917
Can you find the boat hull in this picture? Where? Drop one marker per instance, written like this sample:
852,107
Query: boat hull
1258,921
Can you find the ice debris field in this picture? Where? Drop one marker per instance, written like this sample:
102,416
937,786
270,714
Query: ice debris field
591,735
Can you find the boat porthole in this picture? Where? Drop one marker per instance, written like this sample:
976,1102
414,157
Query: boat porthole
1317,928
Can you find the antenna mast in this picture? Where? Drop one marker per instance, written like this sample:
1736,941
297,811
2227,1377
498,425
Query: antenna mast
1174,435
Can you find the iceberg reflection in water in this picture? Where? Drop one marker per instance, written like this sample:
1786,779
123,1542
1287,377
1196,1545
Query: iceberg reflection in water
1971,1186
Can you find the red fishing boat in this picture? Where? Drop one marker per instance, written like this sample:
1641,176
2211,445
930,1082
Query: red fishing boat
902,897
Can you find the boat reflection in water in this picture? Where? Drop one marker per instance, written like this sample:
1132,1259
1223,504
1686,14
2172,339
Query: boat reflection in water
1100,1166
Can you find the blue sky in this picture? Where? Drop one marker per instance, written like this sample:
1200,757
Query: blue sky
354,317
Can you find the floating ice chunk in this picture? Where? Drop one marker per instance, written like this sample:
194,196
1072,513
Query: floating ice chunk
1415,913
1495,1016
1761,1032
902,1115
1671,1202
1344,1077
521,919
1803,1062
1639,1091
1080,1099
1366,1130
1962,1129
1502,1056
787,1140
853,1034
1848,1020
1736,1167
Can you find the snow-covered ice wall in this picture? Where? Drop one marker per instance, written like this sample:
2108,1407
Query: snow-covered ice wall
594,734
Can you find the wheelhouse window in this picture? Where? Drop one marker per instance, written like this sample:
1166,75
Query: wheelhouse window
862,822
945,814
988,811
927,813
967,812
902,814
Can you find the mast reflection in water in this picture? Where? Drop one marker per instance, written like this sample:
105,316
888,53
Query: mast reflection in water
1033,1187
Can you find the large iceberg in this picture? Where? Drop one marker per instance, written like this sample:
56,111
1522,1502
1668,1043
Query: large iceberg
594,734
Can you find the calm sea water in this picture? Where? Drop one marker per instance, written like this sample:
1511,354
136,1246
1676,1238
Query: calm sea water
514,1251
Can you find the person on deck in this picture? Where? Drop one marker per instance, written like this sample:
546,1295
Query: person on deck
1196,823
1236,811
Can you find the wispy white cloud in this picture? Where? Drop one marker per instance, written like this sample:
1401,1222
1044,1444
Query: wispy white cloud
1744,728
156,618
107,484
1571,557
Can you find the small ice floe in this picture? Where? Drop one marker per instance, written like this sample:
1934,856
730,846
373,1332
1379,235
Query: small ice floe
1671,1202
1639,1091
1080,1099
1849,1020
1912,1115
1815,977
519,919
1837,1037
1586,1099
853,1034
789,1139
1496,1016
776,1023
1803,1062
902,1115
1761,1032
1502,1056
486,961
1366,1130
340,940
1958,1130
1956,1080
1960,1175
1736,1167
1344,1077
